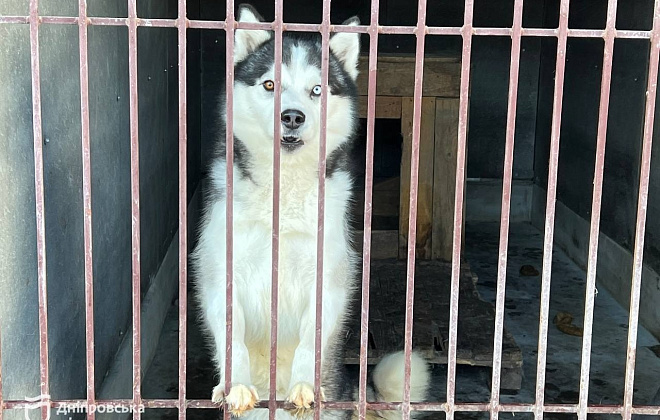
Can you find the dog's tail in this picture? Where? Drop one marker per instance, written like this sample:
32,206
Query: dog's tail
388,381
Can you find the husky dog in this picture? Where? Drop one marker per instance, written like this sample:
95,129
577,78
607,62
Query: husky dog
253,121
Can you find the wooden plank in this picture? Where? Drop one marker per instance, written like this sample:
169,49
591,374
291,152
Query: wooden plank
387,107
396,76
425,185
431,319
444,176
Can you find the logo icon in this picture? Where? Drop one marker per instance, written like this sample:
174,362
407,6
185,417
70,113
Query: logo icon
39,401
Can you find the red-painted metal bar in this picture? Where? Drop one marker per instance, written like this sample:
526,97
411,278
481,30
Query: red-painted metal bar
229,263
412,212
2,410
368,209
87,204
135,201
182,23
309,27
560,67
647,410
15,19
466,32
594,231
514,71
642,207
325,64
275,238
39,204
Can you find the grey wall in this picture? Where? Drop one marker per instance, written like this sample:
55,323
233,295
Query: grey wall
580,118
110,155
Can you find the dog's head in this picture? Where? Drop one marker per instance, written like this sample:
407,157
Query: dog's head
300,118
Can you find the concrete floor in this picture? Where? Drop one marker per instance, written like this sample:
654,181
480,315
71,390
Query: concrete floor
521,319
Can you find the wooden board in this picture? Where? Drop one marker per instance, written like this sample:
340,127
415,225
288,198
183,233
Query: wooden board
425,184
444,176
396,76
476,318
387,107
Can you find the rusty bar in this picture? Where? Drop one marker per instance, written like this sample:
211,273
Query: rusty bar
560,66
412,212
464,101
135,200
514,72
87,204
182,23
368,203
308,27
642,207
39,204
275,238
60,20
15,19
1,402
594,230
325,64
229,262
206,24
648,410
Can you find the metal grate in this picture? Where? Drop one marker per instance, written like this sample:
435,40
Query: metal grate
421,30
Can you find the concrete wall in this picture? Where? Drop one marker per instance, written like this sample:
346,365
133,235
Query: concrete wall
110,154
580,118
623,151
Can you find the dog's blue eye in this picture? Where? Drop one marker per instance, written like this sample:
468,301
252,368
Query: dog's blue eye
316,90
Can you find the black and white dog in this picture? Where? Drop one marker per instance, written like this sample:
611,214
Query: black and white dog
253,174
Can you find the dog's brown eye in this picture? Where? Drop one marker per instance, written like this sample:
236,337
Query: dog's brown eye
269,85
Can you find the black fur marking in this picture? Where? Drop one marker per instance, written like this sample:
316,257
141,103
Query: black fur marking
251,70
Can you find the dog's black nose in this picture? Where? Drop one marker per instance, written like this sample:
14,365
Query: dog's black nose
292,118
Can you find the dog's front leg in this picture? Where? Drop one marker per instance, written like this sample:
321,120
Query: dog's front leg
242,395
301,391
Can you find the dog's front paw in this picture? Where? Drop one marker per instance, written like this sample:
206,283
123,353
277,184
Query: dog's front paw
302,396
241,398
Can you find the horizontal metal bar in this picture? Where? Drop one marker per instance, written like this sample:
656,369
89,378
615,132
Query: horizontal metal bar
348,405
311,27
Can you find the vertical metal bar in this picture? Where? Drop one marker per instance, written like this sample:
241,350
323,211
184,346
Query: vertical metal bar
182,25
594,230
560,66
642,207
2,407
87,204
368,208
135,201
506,207
275,250
325,64
420,33
466,32
39,204
230,23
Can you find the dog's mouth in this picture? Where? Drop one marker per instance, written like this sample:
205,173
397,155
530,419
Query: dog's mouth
291,143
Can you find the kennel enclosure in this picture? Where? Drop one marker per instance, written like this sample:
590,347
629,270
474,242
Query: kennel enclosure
150,226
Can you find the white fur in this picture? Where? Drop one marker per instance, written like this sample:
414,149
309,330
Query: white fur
388,377
346,47
246,41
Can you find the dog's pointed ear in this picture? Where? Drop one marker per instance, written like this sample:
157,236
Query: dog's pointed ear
346,47
246,41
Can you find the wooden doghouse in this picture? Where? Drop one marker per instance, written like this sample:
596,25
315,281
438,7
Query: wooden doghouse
437,157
